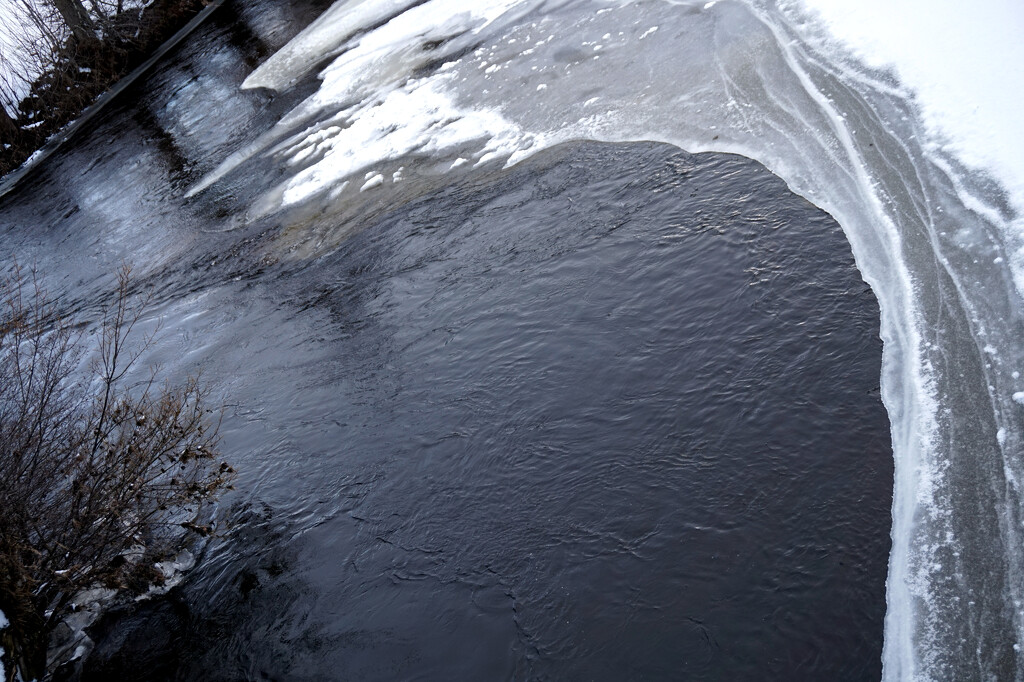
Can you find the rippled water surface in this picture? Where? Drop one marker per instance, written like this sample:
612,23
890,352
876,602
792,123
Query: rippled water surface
610,413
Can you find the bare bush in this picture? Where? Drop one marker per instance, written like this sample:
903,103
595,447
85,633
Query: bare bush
97,480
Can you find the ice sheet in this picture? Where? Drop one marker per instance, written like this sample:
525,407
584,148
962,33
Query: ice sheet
319,40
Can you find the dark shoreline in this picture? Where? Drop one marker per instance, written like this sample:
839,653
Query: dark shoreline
85,78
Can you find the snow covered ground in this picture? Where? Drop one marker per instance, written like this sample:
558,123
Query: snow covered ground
13,66
965,61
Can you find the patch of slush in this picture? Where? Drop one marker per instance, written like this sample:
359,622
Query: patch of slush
375,180
173,572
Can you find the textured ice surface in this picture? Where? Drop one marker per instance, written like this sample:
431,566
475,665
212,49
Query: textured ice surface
964,63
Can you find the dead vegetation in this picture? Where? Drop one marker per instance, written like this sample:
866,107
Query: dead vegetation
98,479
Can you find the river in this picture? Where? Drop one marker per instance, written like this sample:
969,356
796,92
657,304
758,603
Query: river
541,355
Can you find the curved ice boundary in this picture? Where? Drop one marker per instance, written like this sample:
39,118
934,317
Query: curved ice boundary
939,241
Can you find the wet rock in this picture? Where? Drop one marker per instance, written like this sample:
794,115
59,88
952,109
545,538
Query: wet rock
147,636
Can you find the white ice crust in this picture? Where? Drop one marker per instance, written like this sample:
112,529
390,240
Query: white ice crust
388,115
321,39
419,117
371,55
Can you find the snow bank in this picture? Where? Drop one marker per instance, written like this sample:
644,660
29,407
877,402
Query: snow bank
965,61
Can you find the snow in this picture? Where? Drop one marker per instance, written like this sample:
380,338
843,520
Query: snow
419,117
375,181
965,61
12,62
16,31
3,624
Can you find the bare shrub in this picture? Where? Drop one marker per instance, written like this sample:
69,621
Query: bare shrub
93,474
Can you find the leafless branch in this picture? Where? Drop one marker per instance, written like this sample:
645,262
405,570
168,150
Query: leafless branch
89,474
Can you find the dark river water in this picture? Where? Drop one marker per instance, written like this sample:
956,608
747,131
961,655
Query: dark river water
611,413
